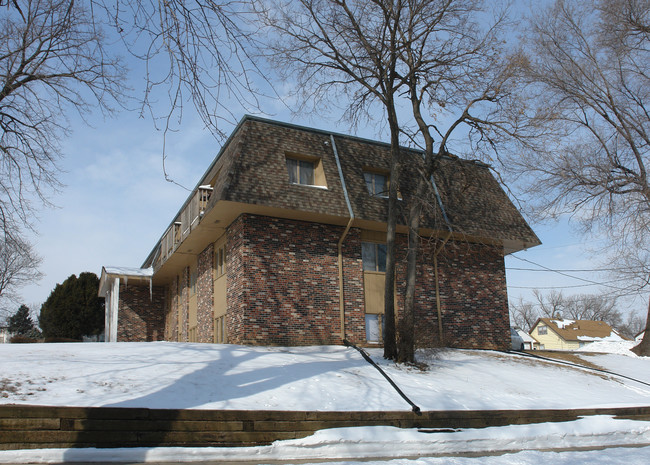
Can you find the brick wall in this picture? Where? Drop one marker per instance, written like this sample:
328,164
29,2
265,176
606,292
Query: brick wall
141,314
283,282
184,305
283,287
171,318
474,296
205,298
353,295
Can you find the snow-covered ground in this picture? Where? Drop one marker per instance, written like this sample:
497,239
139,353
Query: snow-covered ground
328,378
324,378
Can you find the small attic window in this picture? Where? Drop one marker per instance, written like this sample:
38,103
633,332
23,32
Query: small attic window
376,183
306,171
542,330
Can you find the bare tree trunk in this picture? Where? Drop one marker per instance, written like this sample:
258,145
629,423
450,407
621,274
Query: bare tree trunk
390,342
643,349
406,343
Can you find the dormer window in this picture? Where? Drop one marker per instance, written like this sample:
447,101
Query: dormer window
377,183
300,171
306,171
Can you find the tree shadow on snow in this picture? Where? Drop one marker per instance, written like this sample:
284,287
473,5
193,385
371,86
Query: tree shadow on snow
223,380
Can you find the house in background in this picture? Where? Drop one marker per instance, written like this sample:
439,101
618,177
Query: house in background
558,334
283,241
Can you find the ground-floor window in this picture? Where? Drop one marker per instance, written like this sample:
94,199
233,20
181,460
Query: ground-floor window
220,330
374,328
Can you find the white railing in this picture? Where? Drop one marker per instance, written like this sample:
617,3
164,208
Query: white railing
189,218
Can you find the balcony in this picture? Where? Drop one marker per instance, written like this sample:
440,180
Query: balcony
185,222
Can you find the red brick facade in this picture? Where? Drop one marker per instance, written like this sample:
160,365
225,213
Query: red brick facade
283,287
140,317
205,299
281,240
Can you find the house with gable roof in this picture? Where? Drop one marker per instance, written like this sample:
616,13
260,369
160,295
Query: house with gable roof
282,242
560,334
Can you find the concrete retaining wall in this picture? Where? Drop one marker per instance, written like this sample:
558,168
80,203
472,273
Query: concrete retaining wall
32,427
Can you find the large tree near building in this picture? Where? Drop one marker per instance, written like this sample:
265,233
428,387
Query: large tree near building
588,81
437,64
73,309
348,47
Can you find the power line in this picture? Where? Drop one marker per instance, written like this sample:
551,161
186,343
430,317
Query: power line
567,275
575,286
566,271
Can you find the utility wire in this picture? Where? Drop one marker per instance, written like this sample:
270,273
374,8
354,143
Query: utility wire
596,270
592,283
606,283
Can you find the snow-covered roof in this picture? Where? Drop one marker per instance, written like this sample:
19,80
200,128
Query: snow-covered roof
563,323
129,271
524,335
120,272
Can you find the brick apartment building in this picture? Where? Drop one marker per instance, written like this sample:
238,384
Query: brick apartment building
282,242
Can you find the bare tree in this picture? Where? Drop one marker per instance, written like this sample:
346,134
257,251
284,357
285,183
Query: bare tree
550,305
438,60
53,61
523,314
457,77
203,52
349,47
633,325
556,305
18,267
588,81
594,307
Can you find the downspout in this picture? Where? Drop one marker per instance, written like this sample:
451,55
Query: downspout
435,256
345,233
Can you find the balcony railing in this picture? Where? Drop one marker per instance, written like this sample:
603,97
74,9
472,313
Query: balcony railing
188,219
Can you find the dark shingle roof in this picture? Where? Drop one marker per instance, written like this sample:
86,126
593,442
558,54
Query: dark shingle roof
251,169
255,172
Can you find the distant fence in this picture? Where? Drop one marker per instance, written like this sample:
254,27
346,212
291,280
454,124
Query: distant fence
30,427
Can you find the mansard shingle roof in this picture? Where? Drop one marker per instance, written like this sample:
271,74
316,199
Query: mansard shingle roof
251,170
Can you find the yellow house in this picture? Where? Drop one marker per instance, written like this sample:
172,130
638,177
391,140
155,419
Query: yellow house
558,334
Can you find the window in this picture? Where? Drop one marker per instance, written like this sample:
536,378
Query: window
305,170
193,281
220,261
220,330
542,330
372,328
376,183
300,171
373,256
